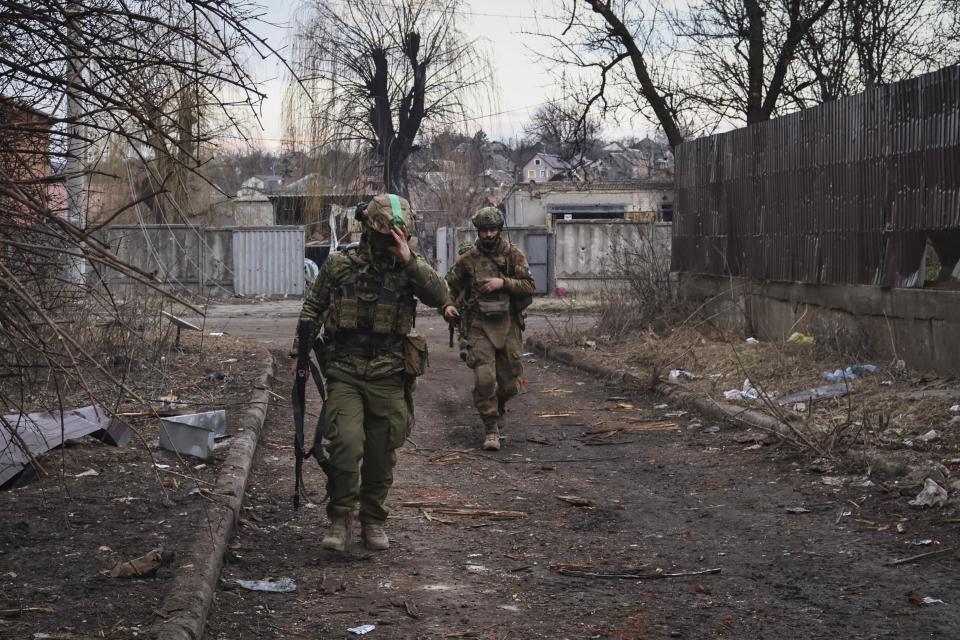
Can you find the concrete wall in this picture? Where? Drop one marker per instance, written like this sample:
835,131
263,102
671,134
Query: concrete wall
527,205
920,326
584,256
203,260
182,256
581,250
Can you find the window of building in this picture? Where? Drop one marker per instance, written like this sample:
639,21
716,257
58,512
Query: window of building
531,173
543,173
537,162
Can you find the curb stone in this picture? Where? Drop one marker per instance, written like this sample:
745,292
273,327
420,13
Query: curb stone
886,463
190,595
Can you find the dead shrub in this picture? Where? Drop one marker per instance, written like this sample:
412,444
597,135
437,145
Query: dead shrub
639,292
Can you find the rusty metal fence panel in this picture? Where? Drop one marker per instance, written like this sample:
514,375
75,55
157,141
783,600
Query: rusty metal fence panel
847,192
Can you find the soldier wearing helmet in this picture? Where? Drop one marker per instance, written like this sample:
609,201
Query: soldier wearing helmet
362,305
492,285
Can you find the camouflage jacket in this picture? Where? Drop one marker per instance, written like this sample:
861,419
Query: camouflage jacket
504,261
360,352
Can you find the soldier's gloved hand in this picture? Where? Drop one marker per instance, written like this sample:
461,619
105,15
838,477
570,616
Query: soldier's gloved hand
450,312
401,249
489,285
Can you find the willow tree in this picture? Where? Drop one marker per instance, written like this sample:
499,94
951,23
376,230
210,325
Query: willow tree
372,76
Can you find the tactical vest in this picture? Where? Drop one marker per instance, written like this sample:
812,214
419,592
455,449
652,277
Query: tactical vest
497,302
378,303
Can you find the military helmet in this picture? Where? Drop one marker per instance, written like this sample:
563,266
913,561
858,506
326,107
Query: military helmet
488,218
463,247
386,211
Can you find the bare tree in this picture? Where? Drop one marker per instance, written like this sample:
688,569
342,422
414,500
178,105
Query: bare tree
374,73
78,79
717,60
564,129
693,66
449,187
860,44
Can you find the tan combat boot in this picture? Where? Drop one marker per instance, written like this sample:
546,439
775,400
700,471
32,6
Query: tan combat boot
491,439
339,531
374,536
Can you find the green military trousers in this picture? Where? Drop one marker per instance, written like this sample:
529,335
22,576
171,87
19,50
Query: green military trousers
366,421
496,371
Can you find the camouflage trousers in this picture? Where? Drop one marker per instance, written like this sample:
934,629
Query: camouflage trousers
496,372
366,421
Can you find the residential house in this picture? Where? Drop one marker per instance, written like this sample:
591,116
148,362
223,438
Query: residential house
543,167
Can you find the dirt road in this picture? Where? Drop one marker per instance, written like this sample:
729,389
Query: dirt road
668,500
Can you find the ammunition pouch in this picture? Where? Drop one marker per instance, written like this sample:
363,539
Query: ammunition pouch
494,307
415,355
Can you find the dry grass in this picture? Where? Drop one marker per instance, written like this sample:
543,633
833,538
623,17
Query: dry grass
874,413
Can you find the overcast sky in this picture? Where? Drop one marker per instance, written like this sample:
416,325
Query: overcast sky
524,80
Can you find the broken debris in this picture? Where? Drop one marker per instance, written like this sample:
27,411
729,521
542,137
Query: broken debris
270,585
817,393
145,565
932,495
362,630
25,436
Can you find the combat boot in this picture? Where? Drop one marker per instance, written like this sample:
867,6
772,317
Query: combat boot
491,439
374,536
339,531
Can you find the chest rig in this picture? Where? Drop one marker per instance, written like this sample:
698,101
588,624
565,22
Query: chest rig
372,302
491,266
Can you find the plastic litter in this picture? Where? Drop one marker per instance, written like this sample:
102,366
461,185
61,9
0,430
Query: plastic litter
87,474
955,408
800,338
932,495
850,373
752,341
886,383
362,630
280,585
797,510
817,393
680,374
746,392
929,436
929,600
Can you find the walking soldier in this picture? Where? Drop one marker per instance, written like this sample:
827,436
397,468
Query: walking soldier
363,306
492,286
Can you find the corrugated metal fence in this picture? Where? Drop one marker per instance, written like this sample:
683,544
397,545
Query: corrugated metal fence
847,192
268,261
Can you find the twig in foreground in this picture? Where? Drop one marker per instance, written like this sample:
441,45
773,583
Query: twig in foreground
577,573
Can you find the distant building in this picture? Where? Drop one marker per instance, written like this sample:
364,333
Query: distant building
24,158
260,185
543,167
542,205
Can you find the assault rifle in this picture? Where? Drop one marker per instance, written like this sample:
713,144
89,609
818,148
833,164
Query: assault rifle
305,367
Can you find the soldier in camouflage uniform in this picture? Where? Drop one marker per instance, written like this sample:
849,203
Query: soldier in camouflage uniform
364,302
485,284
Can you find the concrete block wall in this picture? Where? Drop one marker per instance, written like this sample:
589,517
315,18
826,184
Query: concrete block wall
919,326
584,258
